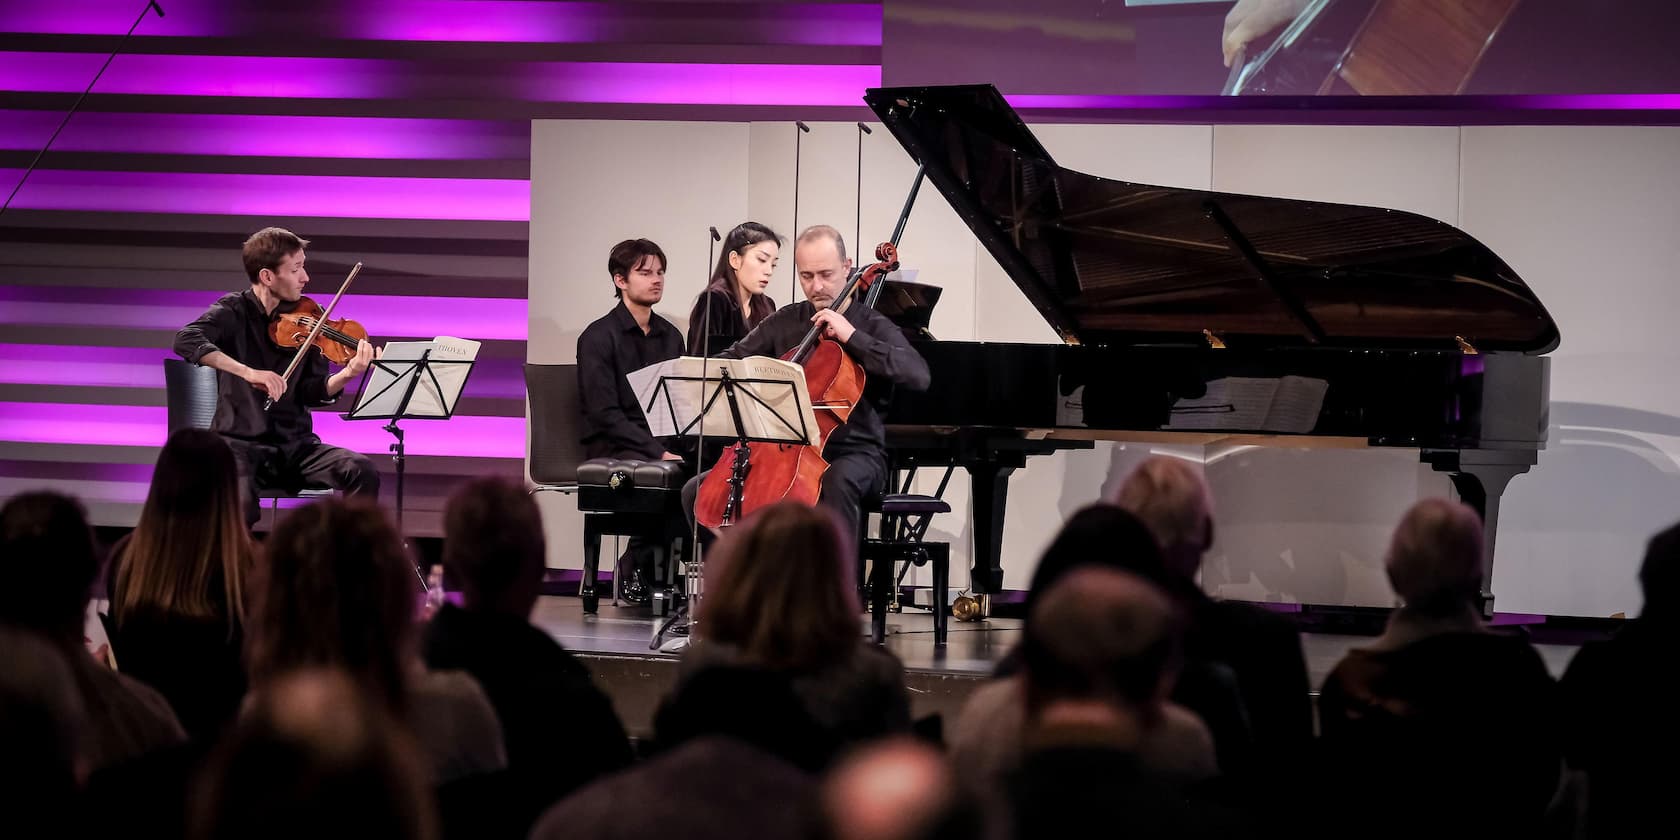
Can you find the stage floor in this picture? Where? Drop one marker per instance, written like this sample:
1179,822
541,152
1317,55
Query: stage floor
614,644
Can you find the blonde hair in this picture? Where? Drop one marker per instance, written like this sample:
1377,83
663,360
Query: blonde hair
1169,496
1435,558
190,545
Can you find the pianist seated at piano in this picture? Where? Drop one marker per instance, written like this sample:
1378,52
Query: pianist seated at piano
629,338
734,300
856,452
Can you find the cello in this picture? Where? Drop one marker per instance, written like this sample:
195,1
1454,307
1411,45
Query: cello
751,475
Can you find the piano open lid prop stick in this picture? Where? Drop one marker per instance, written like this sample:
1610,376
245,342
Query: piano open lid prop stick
1203,317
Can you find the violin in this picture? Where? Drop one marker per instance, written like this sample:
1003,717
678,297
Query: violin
834,382
306,324
336,339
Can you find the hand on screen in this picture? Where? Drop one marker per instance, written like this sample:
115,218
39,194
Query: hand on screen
1250,19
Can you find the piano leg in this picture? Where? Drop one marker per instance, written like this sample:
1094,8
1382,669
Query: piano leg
1480,477
989,487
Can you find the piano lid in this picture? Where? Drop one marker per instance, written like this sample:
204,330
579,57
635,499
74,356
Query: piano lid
1113,262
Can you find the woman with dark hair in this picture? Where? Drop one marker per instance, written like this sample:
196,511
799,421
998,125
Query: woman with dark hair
734,300
781,596
177,584
338,591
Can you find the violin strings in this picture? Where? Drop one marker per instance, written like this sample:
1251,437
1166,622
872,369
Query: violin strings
329,332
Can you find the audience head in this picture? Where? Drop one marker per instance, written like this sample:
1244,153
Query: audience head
41,718
751,705
1170,498
313,758
1100,637
1435,559
1097,535
493,546
781,589
48,555
897,790
337,590
189,553
1659,575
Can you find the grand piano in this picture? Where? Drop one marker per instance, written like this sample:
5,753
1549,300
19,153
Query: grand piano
1213,318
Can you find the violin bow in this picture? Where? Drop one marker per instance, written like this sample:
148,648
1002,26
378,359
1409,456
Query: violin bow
303,349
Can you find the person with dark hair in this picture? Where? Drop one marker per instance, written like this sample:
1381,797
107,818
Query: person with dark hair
986,737
49,563
1617,705
629,338
1099,651
494,551
276,444
781,595
856,452
338,590
42,725
1439,719
178,584
314,757
735,299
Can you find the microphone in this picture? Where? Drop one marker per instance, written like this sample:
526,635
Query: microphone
802,127
715,237
864,128
156,7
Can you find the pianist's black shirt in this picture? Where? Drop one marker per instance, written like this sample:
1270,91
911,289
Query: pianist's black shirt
238,327
613,423
878,345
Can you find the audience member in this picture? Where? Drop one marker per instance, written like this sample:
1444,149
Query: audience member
1439,722
312,757
49,563
339,590
985,739
1261,650
1615,703
1098,654
177,584
494,550
41,726
753,705
781,594
898,789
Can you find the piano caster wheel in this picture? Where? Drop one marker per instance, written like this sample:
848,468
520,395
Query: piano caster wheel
591,603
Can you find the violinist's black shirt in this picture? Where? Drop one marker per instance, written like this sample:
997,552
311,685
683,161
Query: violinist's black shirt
237,325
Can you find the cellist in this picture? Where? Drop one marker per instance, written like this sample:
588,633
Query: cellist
232,337
857,451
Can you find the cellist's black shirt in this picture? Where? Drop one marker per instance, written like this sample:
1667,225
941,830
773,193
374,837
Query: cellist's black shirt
878,345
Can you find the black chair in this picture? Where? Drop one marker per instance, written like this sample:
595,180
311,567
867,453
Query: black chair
191,394
617,497
905,517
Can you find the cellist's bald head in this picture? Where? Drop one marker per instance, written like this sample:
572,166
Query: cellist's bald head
819,258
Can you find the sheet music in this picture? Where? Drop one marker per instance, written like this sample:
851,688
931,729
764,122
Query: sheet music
672,395
388,378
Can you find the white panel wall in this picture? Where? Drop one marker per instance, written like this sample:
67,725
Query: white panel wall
595,183
1589,217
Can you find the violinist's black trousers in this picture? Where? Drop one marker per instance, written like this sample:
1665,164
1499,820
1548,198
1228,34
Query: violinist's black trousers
294,466
851,477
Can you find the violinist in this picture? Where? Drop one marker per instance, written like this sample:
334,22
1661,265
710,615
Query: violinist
734,300
856,452
279,444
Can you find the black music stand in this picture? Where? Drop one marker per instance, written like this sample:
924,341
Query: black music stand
394,388
753,409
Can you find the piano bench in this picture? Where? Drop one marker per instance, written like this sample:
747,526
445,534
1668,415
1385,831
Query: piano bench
630,498
904,521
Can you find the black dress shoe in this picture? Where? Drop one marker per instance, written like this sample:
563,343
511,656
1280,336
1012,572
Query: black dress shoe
633,591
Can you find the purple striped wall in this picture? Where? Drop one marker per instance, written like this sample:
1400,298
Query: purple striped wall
394,132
